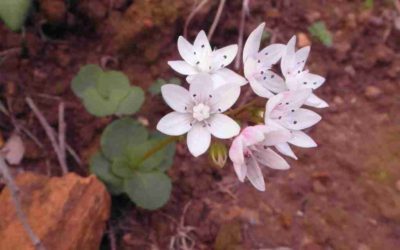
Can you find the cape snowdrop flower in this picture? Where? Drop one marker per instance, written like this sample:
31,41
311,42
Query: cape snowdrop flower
283,110
251,149
198,112
257,64
292,67
200,58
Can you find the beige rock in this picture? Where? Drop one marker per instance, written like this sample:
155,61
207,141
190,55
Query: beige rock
66,213
372,92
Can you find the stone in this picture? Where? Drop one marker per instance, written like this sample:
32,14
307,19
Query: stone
66,213
372,92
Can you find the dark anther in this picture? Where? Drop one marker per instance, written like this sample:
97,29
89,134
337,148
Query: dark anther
265,78
315,83
219,110
198,62
298,71
194,95
262,72
222,65
287,103
265,147
202,45
305,83
225,56
292,110
266,53
185,108
272,76
294,122
258,61
210,96
280,117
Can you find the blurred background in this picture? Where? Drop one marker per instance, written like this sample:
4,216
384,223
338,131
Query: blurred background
345,194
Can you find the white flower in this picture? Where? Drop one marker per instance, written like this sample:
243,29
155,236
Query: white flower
251,149
292,67
284,110
200,58
198,112
257,64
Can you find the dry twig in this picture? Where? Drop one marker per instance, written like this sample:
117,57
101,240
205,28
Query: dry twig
14,191
61,135
245,11
182,239
216,18
191,15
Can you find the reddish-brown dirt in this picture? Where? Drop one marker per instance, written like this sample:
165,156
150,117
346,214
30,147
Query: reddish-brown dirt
345,194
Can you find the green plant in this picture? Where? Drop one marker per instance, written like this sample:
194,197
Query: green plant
106,93
368,4
155,88
14,12
319,31
133,161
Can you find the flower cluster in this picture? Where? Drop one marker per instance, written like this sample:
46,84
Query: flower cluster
213,89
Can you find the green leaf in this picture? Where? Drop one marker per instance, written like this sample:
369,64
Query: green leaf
132,102
155,88
101,167
112,80
320,32
121,167
86,78
163,159
120,135
149,190
99,106
14,12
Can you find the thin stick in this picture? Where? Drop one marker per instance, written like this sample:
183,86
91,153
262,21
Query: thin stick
191,15
61,136
216,19
49,131
245,9
14,191
111,236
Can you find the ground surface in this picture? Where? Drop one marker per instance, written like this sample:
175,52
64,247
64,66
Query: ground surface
343,195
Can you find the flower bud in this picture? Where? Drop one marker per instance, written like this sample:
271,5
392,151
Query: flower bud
218,154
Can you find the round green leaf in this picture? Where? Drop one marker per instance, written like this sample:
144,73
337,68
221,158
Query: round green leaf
132,102
99,106
14,12
86,78
112,80
121,167
149,190
100,166
120,135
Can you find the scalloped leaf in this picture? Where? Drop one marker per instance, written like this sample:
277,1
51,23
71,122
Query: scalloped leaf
132,102
87,77
14,12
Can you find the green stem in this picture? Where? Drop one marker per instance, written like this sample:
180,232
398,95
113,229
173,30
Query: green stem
238,110
158,147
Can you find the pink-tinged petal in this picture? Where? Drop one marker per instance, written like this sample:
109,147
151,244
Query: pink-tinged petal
255,175
237,157
252,135
271,159
223,127
271,54
279,136
201,44
226,76
285,149
250,72
300,119
272,81
301,57
290,102
301,139
223,57
240,170
177,97
201,87
309,80
186,51
174,124
271,105
198,139
182,67
316,102
224,97
289,58
252,45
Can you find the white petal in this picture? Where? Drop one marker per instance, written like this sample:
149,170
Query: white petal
273,138
198,139
174,124
252,135
271,81
301,139
259,89
227,76
301,57
289,58
177,97
237,157
186,51
252,44
285,149
182,67
316,102
271,54
271,105
300,119
224,97
250,71
271,159
255,175
223,57
201,87
223,127
309,80
201,44
290,102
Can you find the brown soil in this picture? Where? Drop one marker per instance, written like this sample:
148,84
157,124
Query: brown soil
343,195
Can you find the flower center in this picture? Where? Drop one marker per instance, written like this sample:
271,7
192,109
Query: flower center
201,112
